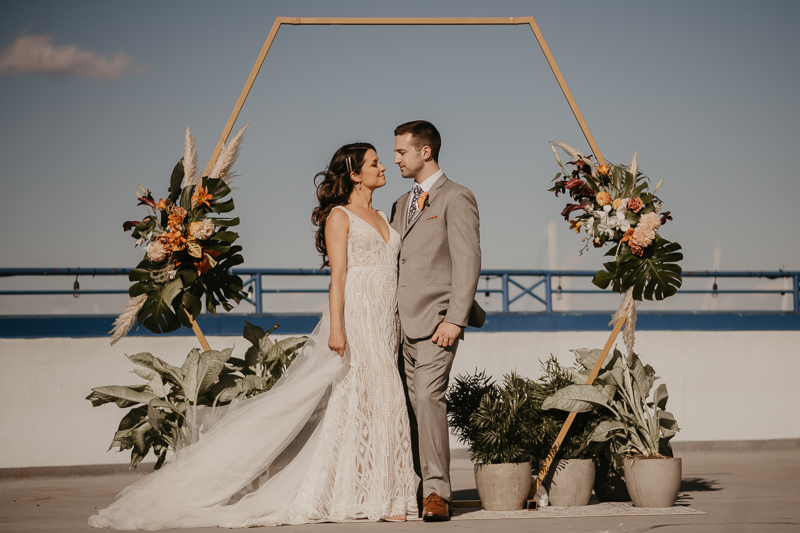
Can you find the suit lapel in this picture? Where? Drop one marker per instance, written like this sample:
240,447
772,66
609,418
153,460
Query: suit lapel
431,195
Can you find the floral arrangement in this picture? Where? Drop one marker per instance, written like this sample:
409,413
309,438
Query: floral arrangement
619,208
188,252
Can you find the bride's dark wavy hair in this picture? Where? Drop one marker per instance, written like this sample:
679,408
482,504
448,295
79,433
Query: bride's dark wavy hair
334,188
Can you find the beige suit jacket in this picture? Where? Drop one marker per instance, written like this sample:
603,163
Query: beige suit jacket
440,260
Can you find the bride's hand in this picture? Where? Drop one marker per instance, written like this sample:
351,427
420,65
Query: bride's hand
336,342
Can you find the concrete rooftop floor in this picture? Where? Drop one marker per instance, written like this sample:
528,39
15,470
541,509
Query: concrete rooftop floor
752,490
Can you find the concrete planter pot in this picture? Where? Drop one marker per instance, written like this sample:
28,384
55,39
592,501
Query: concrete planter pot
503,487
653,482
570,481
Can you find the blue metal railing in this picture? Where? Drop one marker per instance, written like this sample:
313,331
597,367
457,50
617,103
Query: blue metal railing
510,281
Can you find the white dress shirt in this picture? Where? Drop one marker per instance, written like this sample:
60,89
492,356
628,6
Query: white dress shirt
426,187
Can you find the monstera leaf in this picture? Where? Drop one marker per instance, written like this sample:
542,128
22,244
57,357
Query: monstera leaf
654,276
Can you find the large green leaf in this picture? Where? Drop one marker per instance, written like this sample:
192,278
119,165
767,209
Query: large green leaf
285,347
175,182
226,222
654,275
157,314
668,424
226,236
154,381
607,429
217,187
132,419
242,387
118,392
580,398
660,397
201,371
223,207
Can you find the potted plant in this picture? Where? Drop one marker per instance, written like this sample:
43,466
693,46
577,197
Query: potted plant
505,429
496,424
160,407
639,430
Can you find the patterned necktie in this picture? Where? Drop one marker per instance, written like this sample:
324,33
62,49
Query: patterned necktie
417,190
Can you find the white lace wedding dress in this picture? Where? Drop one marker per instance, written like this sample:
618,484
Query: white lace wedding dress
329,442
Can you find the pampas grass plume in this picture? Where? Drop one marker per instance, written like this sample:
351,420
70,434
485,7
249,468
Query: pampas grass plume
227,157
574,153
125,321
634,168
189,159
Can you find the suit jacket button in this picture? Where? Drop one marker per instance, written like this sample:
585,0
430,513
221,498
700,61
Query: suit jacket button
403,261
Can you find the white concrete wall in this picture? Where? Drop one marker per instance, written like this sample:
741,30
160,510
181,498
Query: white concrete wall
722,385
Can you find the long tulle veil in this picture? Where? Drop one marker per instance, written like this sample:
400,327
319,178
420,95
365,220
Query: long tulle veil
250,459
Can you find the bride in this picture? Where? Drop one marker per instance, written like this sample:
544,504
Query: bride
331,440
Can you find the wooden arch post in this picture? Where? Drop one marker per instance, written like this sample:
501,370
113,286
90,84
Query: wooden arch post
514,21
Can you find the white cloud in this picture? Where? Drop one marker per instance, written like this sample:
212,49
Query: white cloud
36,54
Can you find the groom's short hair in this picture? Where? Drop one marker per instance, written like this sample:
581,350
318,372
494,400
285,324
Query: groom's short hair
423,133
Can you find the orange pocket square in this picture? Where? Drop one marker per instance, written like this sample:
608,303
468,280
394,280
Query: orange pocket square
431,218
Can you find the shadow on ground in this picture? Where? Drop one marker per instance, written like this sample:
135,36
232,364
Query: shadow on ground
697,484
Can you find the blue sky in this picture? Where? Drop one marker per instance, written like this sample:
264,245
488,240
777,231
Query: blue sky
706,91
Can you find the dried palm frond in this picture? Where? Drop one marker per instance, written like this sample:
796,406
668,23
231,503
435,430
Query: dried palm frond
125,321
227,157
574,153
189,160
634,168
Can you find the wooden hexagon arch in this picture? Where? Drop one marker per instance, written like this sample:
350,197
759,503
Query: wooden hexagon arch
296,21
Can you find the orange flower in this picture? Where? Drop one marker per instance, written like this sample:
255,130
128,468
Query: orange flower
422,199
603,198
603,169
627,236
576,225
164,206
176,217
201,196
635,248
617,203
177,240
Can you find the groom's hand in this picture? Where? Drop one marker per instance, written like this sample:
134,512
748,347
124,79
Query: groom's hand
446,334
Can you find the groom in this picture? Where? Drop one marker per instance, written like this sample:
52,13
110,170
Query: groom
439,266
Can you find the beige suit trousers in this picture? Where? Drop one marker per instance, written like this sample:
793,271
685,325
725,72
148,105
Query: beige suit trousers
425,370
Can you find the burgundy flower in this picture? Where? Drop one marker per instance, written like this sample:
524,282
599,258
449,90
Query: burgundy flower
574,182
581,166
664,217
129,225
558,187
569,209
147,200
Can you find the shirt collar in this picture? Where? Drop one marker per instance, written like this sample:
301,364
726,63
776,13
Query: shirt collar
427,185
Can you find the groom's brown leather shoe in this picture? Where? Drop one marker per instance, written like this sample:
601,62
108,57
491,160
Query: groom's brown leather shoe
435,509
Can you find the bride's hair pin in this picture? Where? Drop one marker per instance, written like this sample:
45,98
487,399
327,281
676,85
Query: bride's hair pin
349,164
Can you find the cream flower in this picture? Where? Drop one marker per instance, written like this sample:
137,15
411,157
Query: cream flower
202,230
606,224
157,251
643,236
650,221
589,226
619,219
